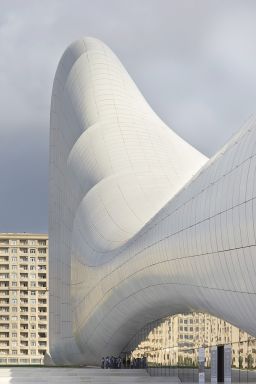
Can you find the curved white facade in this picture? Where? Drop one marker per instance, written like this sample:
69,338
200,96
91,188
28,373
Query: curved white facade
141,225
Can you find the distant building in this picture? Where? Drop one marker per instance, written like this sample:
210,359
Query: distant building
176,339
23,298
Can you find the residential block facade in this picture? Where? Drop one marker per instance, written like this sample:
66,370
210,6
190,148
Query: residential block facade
23,298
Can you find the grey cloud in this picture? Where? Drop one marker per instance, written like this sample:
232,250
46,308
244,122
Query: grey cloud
194,60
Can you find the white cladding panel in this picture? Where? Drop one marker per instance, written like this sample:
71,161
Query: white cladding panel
141,225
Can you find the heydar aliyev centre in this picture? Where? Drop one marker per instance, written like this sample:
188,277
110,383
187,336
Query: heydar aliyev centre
142,225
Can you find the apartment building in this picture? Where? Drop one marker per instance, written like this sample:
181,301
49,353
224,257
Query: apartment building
23,298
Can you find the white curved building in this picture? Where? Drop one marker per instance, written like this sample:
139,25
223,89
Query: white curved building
141,224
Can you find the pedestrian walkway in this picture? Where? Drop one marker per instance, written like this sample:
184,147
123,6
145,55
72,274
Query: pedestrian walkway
45,375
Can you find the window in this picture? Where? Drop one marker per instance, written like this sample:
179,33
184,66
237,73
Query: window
32,242
33,293
33,318
14,309
13,242
33,284
14,334
14,267
32,335
32,259
14,352
15,326
14,318
14,344
32,276
33,309
14,258
32,250
14,276
24,250
13,250
33,352
33,301
32,267
14,301
14,283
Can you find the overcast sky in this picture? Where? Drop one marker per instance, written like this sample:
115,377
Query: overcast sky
194,61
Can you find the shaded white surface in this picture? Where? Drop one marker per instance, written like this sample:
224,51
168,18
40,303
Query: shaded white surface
133,235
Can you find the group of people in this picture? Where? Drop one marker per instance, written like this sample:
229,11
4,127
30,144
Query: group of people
111,362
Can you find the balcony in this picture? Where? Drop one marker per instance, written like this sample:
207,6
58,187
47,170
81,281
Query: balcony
24,309
4,242
42,260
24,250
23,242
23,335
23,267
4,276
4,335
4,344
42,335
23,276
4,351
4,259
42,319
4,326
4,267
4,285
42,351
23,352
23,259
4,309
42,344
24,344
41,268
42,302
42,309
41,276
24,327
4,301
42,284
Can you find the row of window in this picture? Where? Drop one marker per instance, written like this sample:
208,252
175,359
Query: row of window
7,318
22,293
22,242
23,285
23,250
22,275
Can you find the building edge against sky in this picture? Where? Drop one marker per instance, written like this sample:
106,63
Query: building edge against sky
139,221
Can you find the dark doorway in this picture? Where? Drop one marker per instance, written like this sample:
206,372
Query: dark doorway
220,365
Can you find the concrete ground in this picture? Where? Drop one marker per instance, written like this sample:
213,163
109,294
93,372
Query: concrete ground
51,375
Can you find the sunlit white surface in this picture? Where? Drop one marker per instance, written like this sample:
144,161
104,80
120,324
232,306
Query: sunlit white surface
141,225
